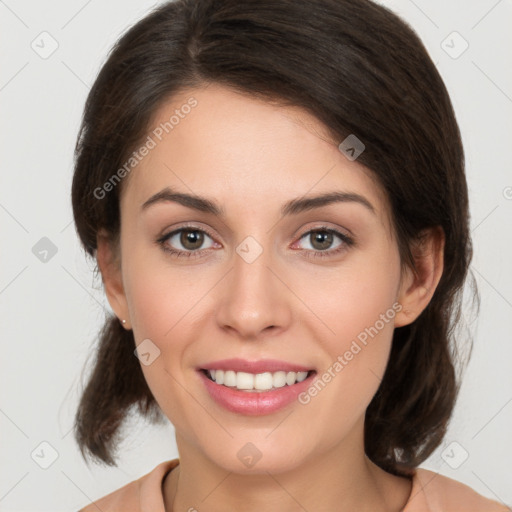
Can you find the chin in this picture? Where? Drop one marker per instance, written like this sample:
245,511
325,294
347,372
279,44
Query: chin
254,458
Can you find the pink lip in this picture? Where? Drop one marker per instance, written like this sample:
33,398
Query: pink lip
260,366
254,403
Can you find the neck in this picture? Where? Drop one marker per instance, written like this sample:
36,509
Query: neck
341,479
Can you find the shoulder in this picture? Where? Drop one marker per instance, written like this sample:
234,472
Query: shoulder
126,498
137,495
433,492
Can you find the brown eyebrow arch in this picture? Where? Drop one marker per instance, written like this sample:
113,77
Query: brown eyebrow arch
292,207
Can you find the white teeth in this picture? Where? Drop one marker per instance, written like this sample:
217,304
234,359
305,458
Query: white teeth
279,379
301,376
263,381
290,378
229,378
256,382
244,380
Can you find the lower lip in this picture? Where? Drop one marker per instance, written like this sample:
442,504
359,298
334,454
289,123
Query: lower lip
255,403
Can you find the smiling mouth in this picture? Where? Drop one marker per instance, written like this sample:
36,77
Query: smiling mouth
256,382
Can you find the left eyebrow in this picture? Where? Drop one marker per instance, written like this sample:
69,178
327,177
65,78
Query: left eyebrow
293,207
308,203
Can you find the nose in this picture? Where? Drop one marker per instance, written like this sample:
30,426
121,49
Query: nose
254,299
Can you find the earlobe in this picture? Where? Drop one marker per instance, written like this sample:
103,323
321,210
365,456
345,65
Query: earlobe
418,287
110,268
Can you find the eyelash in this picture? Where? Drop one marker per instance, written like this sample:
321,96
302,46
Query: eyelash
347,242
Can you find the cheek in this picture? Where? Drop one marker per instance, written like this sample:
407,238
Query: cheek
356,298
164,303
160,296
358,306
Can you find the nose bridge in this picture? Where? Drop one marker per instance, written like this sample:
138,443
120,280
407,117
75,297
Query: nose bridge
253,297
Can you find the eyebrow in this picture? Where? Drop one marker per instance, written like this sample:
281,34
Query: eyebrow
293,207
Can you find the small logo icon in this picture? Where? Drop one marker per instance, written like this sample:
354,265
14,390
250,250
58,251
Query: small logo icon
44,250
44,45
147,352
454,45
44,455
351,147
249,249
249,455
454,455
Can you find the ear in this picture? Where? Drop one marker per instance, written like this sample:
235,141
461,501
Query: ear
109,263
418,287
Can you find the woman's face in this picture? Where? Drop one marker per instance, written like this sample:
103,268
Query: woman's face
253,282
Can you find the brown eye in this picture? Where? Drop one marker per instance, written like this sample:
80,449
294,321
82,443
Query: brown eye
321,240
191,239
185,242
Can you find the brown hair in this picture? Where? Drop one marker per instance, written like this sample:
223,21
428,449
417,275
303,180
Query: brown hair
360,70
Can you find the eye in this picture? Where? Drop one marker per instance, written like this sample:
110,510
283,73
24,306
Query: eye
321,239
190,239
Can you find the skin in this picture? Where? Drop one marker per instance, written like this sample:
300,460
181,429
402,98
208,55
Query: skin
251,157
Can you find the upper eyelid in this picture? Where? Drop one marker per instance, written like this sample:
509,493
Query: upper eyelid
189,228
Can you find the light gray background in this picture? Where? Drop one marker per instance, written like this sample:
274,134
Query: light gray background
52,310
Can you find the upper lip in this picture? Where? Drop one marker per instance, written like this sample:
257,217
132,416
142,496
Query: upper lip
259,366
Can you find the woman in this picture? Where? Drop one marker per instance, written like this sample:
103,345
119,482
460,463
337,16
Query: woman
274,192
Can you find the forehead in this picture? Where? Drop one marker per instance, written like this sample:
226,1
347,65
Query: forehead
213,141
